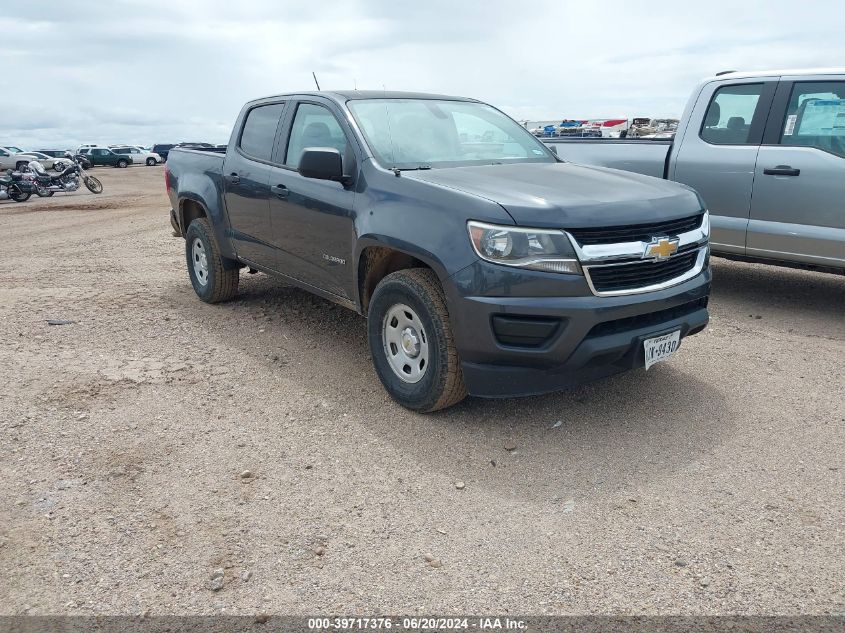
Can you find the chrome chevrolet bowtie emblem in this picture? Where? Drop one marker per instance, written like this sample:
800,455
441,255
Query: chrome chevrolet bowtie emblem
661,248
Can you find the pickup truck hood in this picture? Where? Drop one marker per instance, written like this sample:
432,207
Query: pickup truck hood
566,195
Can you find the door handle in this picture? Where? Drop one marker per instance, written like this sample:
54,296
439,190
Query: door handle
781,170
281,191
234,178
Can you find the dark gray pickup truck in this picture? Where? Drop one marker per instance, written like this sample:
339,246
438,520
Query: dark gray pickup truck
484,264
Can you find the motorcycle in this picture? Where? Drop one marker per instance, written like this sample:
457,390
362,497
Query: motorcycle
68,180
14,187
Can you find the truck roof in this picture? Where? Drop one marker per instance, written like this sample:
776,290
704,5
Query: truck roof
347,95
737,74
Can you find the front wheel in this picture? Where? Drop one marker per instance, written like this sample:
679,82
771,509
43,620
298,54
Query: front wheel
151,162
122,164
93,184
214,278
411,342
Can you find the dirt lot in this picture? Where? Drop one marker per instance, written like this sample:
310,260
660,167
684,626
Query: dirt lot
710,484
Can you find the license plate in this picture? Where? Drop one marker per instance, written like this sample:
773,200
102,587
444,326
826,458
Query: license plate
661,347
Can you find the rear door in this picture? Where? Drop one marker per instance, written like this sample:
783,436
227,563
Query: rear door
313,219
717,154
246,173
798,207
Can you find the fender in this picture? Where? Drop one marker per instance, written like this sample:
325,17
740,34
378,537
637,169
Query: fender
396,244
202,189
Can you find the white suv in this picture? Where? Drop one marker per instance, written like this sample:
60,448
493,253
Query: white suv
139,154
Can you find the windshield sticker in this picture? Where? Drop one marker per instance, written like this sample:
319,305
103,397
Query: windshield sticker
539,152
790,125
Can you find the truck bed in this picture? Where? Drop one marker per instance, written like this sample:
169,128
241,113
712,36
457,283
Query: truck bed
642,156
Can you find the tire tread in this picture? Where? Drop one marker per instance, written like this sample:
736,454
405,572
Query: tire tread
225,280
424,283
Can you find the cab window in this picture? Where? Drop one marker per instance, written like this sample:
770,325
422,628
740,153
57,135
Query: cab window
315,126
815,117
259,132
730,113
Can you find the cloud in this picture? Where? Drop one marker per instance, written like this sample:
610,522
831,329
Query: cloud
161,71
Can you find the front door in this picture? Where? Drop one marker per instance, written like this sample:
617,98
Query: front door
797,210
246,174
718,153
313,219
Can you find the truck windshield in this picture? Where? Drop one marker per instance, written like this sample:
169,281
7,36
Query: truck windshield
429,133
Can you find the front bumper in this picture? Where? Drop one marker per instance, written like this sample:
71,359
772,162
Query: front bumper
594,337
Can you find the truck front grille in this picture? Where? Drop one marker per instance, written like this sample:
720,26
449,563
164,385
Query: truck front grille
635,232
639,275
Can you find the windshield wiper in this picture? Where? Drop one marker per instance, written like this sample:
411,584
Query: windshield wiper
399,170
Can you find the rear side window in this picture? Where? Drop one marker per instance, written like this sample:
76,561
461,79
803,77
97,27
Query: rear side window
730,113
815,116
259,131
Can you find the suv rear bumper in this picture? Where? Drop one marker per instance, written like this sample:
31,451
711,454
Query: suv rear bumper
549,343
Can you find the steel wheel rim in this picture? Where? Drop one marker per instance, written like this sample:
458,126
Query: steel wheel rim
405,343
200,260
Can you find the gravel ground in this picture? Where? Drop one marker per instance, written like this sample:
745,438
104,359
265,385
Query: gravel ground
711,484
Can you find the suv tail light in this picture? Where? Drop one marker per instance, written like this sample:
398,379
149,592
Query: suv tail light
167,179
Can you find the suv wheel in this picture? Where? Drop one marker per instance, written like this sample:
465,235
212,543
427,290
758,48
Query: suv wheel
151,162
122,163
411,341
214,278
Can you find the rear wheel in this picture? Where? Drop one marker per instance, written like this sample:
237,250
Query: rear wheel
411,342
151,162
123,164
21,166
93,184
16,194
213,277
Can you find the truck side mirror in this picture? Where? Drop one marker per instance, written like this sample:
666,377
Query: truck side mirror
322,163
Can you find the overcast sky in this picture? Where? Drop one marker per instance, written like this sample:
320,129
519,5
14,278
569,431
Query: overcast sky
151,71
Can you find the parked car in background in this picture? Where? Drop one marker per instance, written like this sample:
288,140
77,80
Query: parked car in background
11,158
48,162
139,155
57,153
766,151
485,267
105,156
163,149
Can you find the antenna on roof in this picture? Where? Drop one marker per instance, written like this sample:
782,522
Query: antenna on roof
725,72
355,81
315,79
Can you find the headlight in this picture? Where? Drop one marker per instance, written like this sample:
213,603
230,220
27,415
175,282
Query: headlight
705,223
537,249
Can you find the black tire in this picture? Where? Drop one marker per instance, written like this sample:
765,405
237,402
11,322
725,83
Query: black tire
122,164
16,194
151,162
93,184
21,166
222,275
442,383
